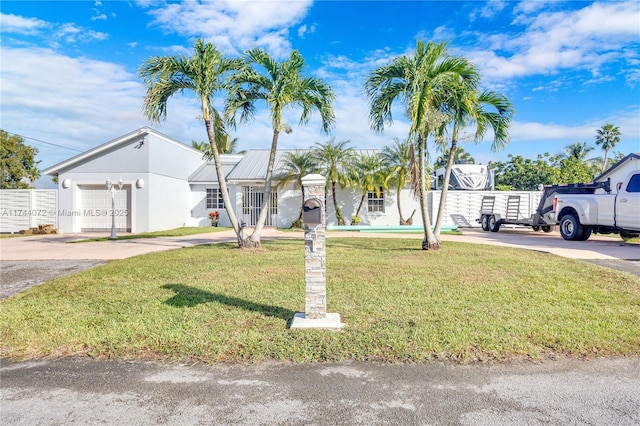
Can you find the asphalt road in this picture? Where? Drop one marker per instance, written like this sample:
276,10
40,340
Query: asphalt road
86,392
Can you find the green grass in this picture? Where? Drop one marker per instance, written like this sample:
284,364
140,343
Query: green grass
218,303
177,232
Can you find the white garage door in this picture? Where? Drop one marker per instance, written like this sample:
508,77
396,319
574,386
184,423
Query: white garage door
95,202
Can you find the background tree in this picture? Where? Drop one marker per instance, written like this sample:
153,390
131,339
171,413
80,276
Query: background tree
293,167
334,159
460,156
367,174
607,138
17,162
279,85
524,174
397,161
203,74
421,83
578,151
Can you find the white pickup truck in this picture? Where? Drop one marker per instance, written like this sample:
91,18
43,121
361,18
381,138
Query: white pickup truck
605,213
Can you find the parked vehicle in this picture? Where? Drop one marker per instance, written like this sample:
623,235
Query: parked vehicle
542,218
579,215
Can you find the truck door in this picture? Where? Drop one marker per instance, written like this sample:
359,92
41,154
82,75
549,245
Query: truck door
628,204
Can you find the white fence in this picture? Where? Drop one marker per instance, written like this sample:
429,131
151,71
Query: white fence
27,208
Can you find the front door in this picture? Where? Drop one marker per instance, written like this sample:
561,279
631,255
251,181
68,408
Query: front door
252,202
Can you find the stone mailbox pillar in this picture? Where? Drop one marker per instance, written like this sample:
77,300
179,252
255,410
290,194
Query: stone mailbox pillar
313,219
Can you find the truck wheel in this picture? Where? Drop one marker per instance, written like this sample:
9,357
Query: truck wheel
484,221
570,227
535,228
494,225
547,228
586,233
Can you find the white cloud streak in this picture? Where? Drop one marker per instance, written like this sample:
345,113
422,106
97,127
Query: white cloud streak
234,26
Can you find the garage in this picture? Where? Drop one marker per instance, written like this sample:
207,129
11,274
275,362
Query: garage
96,211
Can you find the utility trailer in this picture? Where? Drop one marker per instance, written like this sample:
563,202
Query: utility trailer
543,217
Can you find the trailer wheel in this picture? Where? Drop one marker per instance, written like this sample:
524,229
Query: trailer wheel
628,235
535,228
570,227
494,225
484,221
547,228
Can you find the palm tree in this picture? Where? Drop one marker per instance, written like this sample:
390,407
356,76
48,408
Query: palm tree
293,167
607,137
334,160
467,106
33,174
460,156
367,173
281,85
203,74
420,82
397,160
578,151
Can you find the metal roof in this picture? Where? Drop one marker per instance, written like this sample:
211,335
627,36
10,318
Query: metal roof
207,172
253,167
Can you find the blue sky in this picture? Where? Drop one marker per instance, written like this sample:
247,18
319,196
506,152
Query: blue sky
68,69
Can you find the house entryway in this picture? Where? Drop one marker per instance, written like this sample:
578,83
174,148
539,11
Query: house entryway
95,208
252,201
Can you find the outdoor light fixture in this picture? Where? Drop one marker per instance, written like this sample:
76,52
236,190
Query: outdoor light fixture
112,187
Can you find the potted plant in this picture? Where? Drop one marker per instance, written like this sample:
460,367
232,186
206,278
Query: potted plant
214,216
355,220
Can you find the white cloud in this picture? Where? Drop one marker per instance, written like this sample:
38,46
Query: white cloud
20,25
100,17
234,26
582,39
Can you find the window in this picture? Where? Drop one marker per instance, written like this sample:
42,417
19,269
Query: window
214,198
634,184
375,201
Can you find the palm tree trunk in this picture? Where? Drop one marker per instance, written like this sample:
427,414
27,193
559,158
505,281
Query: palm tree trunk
254,239
360,205
402,221
604,164
430,241
220,174
445,182
335,204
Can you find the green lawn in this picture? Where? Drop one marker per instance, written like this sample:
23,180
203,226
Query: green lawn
218,303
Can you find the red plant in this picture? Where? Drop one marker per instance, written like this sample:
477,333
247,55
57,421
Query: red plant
214,214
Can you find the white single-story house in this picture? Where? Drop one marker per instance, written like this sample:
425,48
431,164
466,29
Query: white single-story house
166,184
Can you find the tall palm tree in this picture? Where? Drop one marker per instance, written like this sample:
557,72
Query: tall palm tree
367,173
334,159
397,160
279,85
607,137
421,83
467,106
293,167
203,73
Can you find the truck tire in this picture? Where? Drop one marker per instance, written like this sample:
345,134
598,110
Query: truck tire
547,228
570,228
586,233
494,225
484,221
